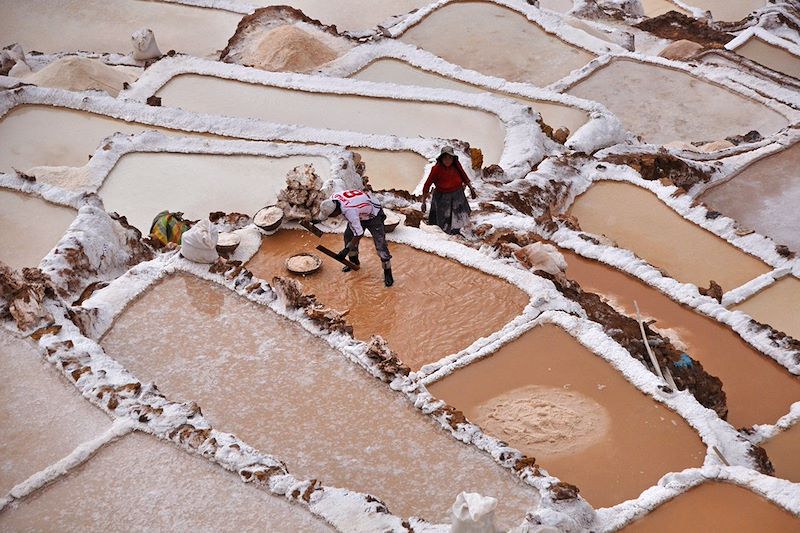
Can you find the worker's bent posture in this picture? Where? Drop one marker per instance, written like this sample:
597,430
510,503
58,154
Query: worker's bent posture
362,213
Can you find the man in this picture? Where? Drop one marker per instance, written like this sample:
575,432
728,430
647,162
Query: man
362,213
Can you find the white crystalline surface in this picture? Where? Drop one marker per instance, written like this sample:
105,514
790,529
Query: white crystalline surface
285,392
42,417
142,484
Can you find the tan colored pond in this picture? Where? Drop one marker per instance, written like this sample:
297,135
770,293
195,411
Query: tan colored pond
43,417
142,484
770,56
351,15
777,305
481,36
192,30
637,220
764,197
782,451
436,307
745,372
728,10
37,135
716,507
395,71
654,102
393,170
217,96
582,421
288,393
654,8
142,185
29,228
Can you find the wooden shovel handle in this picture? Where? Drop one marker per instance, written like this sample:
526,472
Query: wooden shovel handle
332,254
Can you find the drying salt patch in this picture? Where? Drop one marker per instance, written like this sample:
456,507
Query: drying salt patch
436,307
664,105
29,228
544,420
745,372
716,507
498,41
76,73
285,391
396,71
778,305
42,417
782,450
763,196
141,185
365,114
143,484
639,221
643,441
107,25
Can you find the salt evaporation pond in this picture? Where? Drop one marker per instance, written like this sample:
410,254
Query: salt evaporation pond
437,307
217,96
396,71
728,10
716,507
770,56
630,441
107,25
637,220
777,305
350,15
288,393
654,8
745,372
782,451
142,484
497,41
665,105
42,416
29,228
393,170
763,196
142,185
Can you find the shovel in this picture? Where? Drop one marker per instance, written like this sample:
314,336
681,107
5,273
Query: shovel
327,251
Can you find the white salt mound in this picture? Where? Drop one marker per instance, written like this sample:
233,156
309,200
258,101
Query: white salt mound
268,217
81,74
303,263
288,49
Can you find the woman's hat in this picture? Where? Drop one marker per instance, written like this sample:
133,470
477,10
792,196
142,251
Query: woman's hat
448,150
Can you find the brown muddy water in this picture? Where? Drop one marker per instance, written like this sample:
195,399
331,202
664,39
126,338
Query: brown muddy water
192,30
763,197
42,416
778,305
142,484
436,307
638,220
770,56
396,71
217,96
654,104
716,507
782,451
487,33
745,372
142,185
289,394
633,440
29,228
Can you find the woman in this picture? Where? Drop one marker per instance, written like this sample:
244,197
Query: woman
449,207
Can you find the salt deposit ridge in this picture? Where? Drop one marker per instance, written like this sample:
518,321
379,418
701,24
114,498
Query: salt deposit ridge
611,343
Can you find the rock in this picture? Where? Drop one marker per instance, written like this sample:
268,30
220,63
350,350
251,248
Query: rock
561,135
676,26
564,491
749,137
476,156
494,172
23,294
144,45
541,256
714,291
662,165
681,50
716,146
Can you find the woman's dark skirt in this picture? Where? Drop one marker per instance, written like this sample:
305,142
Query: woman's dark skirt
449,210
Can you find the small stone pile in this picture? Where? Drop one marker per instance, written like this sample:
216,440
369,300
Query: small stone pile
303,195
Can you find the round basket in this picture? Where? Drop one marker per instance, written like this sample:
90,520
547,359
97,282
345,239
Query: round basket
227,243
304,263
269,218
392,221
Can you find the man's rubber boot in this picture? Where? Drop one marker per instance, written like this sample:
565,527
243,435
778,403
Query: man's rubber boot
388,279
353,259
